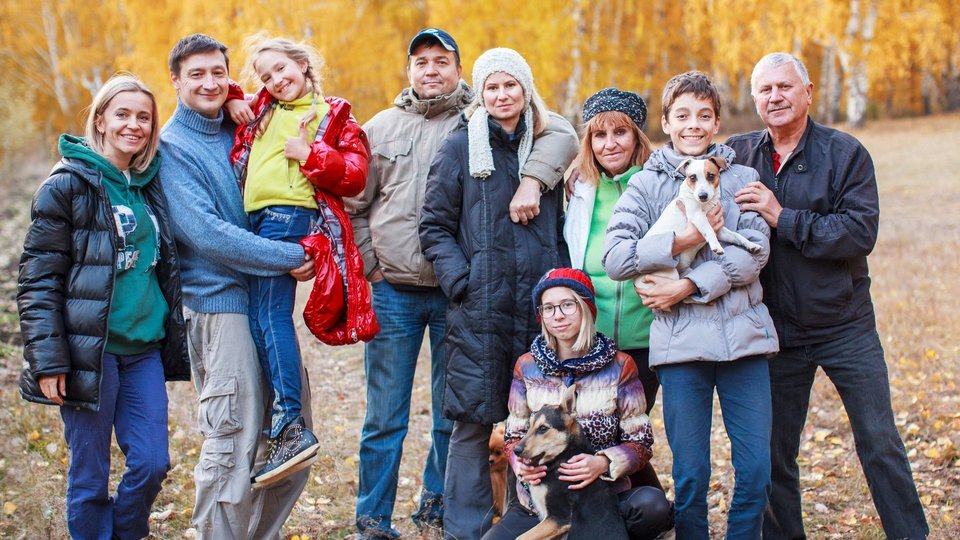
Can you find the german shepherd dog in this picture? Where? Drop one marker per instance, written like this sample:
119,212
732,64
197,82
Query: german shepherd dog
589,513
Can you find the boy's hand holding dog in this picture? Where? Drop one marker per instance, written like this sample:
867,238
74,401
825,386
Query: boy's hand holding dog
691,237
663,293
583,469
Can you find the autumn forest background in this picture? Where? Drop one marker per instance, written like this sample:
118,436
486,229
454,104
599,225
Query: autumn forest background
886,70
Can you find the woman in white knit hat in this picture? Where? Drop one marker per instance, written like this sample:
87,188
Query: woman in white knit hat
487,266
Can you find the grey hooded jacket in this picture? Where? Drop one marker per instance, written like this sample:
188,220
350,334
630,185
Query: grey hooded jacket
726,319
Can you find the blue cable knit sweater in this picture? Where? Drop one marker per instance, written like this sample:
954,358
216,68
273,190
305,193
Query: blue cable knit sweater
217,251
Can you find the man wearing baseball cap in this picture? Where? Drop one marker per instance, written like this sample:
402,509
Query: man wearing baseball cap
406,297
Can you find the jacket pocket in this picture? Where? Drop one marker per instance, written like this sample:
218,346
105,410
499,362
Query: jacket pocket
391,150
217,412
826,300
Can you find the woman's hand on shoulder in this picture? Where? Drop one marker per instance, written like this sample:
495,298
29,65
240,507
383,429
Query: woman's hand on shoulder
54,387
583,469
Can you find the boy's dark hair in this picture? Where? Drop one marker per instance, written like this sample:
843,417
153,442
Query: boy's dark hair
691,82
191,45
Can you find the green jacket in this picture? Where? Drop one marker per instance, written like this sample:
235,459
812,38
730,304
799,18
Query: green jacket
621,314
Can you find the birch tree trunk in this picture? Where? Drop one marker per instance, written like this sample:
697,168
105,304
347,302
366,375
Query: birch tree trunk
831,86
52,54
570,106
853,57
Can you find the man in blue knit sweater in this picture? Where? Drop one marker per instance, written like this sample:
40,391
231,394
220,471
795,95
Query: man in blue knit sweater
218,254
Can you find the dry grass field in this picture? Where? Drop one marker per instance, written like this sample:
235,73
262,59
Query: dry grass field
915,274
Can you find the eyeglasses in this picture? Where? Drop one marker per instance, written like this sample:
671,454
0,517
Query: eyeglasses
567,307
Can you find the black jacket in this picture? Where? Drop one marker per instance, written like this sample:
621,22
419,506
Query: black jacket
66,285
487,266
817,284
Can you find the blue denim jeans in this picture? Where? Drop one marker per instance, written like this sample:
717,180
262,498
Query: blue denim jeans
133,403
743,387
857,369
271,313
390,360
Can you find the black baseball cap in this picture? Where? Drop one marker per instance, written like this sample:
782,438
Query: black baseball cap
434,34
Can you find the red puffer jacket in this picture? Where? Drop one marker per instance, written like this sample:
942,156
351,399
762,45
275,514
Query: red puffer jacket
338,311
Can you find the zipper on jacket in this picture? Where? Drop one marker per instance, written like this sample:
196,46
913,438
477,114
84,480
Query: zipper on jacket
485,269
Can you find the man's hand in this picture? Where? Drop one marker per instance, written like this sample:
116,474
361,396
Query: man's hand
54,387
583,469
298,148
758,198
664,292
376,276
239,111
531,475
526,201
305,271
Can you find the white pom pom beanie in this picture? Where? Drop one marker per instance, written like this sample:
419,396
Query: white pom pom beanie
492,61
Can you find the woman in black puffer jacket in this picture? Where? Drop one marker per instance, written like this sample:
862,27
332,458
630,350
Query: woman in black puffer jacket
487,266
100,312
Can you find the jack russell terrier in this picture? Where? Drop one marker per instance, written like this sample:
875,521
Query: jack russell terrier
699,192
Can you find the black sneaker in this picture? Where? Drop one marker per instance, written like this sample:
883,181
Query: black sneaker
294,449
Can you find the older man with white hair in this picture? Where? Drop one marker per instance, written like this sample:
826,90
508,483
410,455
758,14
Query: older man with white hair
818,193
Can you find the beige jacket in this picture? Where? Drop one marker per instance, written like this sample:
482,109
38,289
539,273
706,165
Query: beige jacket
404,140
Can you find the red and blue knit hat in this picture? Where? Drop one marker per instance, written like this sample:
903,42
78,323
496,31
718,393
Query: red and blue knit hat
570,278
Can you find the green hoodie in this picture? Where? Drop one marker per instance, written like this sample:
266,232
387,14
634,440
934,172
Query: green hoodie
138,310
621,314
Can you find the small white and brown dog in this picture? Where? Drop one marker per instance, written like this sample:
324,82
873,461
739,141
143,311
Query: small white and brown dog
699,192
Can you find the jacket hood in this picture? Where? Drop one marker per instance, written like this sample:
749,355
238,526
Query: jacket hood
73,147
459,99
666,159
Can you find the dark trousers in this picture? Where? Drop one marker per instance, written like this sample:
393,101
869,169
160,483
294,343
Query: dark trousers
645,511
646,476
857,369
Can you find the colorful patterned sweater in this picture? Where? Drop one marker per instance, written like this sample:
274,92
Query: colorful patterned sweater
610,404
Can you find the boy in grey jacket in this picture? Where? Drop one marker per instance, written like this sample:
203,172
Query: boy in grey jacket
717,332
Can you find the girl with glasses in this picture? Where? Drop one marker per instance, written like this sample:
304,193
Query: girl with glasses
570,350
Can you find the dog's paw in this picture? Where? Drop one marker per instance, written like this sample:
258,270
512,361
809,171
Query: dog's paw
718,249
753,248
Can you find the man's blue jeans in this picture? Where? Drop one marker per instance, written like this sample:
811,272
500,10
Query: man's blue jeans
133,403
743,387
857,369
390,360
271,313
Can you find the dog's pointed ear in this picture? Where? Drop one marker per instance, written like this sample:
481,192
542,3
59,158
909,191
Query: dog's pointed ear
719,162
568,402
682,167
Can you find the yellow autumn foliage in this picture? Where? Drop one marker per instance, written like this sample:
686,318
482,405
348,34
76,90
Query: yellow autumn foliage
56,54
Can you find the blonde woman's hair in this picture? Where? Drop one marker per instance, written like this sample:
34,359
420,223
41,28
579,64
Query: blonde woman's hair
302,51
586,339
586,161
122,82
540,114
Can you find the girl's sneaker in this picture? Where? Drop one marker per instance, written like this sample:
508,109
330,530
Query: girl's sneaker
293,450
